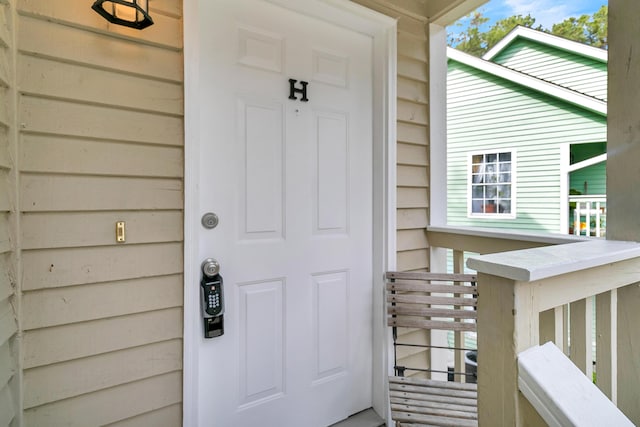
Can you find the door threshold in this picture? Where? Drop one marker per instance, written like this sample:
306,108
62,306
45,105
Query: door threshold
366,418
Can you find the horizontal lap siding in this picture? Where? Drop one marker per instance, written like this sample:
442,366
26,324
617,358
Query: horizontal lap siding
101,407
412,148
487,113
412,153
577,72
412,130
169,416
9,301
590,180
101,119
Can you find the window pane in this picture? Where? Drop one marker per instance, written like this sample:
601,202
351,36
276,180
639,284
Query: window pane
477,158
490,207
505,167
505,206
504,191
476,206
491,191
492,158
477,191
505,157
505,177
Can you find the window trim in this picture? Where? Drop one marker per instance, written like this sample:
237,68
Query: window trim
496,215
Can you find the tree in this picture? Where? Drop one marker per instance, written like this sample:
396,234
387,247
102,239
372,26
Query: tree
502,27
591,30
572,28
470,40
476,42
599,28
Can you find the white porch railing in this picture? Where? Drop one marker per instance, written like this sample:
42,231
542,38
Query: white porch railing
561,393
589,215
539,294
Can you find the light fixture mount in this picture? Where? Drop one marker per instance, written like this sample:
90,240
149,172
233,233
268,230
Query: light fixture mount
130,13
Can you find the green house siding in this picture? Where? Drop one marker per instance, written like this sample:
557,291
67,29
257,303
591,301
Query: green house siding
564,68
591,180
489,113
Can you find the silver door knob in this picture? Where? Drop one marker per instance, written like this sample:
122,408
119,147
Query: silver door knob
210,267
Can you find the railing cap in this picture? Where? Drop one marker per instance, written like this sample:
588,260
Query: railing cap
508,234
561,393
528,265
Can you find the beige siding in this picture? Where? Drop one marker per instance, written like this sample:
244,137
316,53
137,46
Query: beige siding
412,134
169,416
101,140
103,406
50,383
412,150
9,301
100,120
43,230
65,118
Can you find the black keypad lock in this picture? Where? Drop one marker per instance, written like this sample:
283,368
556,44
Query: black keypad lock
212,299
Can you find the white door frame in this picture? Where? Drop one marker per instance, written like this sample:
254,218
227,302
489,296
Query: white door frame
383,31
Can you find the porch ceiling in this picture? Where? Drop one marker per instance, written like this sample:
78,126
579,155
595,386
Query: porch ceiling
441,12
445,12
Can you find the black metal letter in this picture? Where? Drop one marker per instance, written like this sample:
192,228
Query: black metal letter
293,90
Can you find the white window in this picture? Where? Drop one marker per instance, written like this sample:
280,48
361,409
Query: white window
491,184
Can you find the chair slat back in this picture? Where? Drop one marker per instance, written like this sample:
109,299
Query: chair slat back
431,301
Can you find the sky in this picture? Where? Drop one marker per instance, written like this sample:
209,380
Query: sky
546,12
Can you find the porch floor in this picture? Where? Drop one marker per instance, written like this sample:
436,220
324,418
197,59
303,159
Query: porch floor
366,418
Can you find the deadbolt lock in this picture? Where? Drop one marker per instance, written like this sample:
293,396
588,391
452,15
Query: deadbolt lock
209,220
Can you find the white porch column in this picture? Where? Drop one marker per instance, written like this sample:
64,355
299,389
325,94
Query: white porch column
623,175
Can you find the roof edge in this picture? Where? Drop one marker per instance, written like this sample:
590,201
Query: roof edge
550,40
534,83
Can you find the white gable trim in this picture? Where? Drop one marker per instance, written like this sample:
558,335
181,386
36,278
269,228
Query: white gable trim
548,39
534,83
589,162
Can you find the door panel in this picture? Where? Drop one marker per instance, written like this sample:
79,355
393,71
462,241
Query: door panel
331,173
261,349
331,340
291,182
261,194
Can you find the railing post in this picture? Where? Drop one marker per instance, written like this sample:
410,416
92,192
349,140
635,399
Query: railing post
436,358
552,327
565,322
598,215
581,313
459,362
607,347
507,324
629,351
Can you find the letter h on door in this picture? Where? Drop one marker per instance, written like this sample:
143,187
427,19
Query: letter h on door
293,90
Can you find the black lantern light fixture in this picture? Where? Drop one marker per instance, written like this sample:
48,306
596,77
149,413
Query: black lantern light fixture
130,13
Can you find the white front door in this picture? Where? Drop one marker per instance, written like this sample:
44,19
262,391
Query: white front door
291,183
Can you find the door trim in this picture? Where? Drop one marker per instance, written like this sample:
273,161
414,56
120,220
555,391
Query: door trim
382,29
